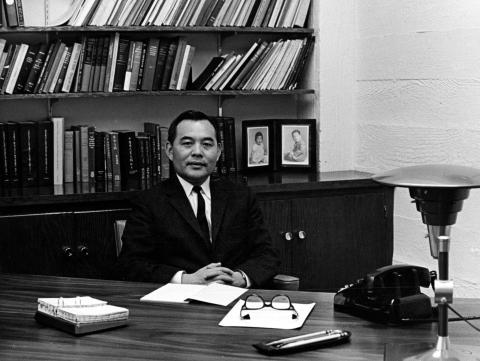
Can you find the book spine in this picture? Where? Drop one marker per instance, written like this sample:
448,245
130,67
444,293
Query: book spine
100,162
108,162
87,65
69,158
11,13
167,73
91,155
19,8
164,161
63,70
231,153
46,66
142,66
121,64
13,153
128,160
150,63
142,170
4,175
116,175
77,156
71,69
36,69
25,69
45,152
58,141
28,154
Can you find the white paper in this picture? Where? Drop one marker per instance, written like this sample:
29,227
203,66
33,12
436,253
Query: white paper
218,294
172,292
214,293
268,317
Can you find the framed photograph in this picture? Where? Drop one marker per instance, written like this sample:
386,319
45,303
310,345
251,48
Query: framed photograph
296,143
257,144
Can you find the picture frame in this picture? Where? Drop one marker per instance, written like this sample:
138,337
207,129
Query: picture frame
296,141
257,145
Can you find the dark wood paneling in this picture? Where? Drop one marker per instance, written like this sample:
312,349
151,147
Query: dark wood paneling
33,244
277,215
346,237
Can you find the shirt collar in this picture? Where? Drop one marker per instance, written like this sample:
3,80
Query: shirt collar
188,187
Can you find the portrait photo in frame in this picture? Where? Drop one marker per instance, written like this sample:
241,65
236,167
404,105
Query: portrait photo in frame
296,143
257,144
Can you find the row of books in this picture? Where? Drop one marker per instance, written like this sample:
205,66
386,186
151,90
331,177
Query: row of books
113,63
44,153
272,65
249,13
98,63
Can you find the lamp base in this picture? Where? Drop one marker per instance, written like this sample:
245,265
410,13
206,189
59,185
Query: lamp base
442,351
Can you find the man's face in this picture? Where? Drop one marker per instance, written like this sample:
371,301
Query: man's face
296,136
194,151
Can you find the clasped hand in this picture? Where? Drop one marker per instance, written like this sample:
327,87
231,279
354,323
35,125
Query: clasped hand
214,272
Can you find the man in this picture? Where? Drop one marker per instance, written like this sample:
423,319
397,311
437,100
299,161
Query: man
175,234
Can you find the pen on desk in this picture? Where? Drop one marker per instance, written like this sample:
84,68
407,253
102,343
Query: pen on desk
328,337
291,339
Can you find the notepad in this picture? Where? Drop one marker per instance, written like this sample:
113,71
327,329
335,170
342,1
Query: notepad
83,309
214,293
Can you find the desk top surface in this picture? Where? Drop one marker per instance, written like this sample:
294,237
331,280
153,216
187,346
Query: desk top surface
188,331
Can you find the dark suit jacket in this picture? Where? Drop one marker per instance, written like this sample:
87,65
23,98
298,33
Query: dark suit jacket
162,235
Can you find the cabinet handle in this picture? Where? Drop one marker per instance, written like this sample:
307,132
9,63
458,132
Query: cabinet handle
67,252
82,250
288,236
302,234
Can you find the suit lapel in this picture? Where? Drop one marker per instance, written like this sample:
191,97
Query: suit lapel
178,200
219,204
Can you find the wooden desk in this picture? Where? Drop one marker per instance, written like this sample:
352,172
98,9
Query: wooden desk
186,331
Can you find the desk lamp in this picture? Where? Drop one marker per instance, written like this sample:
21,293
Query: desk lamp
439,192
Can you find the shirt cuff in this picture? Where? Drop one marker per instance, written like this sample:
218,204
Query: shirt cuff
246,278
177,277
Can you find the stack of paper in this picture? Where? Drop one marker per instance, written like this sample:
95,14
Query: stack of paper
214,293
80,310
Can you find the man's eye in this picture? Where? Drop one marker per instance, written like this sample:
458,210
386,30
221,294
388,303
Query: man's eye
208,145
187,144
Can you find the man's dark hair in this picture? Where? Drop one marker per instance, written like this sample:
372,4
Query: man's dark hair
296,131
190,115
258,134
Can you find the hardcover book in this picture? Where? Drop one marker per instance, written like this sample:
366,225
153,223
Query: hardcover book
129,167
28,154
45,152
36,69
13,153
25,69
150,63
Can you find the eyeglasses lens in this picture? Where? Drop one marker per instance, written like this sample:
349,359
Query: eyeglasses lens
281,302
254,302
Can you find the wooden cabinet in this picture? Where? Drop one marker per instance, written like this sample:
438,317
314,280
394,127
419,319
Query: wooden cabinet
77,243
332,236
329,229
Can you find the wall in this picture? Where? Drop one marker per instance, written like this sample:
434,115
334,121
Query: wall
418,101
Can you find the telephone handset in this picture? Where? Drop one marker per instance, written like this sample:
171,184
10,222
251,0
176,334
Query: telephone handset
390,294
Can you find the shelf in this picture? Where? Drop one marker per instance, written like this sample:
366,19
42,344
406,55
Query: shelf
262,184
157,29
157,93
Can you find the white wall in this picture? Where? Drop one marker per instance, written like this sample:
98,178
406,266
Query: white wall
418,102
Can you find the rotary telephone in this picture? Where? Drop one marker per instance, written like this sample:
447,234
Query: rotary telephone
390,294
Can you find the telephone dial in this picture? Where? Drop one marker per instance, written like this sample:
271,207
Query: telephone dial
390,294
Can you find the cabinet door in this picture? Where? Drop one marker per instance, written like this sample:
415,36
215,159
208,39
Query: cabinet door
95,242
346,236
40,244
277,214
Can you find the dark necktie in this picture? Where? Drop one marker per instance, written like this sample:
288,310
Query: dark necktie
201,217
